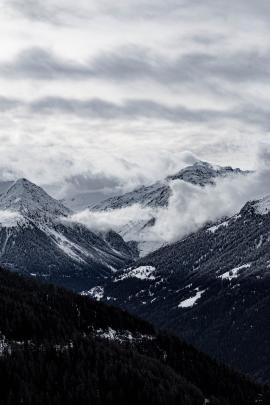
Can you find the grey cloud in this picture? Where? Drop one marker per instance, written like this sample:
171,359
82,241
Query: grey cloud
128,110
140,64
41,64
60,12
199,67
8,103
82,189
37,63
138,109
132,109
33,9
38,10
93,182
63,12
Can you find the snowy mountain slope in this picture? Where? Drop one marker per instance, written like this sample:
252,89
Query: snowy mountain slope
202,173
32,201
157,196
213,288
37,237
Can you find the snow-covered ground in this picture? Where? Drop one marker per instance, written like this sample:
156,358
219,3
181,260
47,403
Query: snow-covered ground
233,273
122,336
142,273
189,302
95,292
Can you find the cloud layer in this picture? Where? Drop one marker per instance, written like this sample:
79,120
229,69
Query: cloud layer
190,208
99,90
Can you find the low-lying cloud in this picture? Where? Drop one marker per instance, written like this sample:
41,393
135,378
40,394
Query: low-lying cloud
116,219
190,208
9,219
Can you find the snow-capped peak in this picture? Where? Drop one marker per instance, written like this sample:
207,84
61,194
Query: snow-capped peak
28,199
157,195
202,173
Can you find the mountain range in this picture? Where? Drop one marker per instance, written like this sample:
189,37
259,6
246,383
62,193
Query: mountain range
38,237
156,196
212,287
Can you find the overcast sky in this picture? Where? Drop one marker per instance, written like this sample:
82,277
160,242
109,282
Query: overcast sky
108,93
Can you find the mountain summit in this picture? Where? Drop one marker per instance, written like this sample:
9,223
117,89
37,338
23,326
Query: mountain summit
202,173
158,194
32,201
37,237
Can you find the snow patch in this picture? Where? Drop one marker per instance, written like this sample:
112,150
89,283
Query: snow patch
142,273
68,247
95,292
3,345
233,273
214,228
189,302
122,336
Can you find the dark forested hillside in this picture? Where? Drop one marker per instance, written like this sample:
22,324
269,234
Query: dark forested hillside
212,289
57,347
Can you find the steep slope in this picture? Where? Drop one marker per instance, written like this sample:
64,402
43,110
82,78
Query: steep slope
157,196
61,348
32,201
211,288
37,237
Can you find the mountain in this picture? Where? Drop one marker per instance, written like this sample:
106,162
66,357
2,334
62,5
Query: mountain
37,238
31,201
212,288
156,196
58,348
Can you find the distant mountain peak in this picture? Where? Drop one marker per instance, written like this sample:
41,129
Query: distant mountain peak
28,199
202,173
157,195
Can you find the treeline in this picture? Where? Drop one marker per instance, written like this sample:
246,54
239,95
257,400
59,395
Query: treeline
54,356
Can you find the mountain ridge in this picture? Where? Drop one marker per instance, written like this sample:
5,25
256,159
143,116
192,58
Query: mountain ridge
157,196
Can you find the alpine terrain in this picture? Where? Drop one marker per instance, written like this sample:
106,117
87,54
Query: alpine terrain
157,196
212,288
37,238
